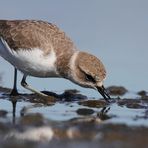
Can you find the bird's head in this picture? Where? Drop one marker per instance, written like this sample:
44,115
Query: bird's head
88,71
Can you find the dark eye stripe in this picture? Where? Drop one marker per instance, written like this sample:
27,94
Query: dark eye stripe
90,78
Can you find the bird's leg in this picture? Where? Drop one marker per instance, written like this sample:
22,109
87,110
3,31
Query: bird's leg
25,85
14,91
14,110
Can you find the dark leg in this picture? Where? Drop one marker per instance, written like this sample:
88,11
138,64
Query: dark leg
14,91
25,85
14,110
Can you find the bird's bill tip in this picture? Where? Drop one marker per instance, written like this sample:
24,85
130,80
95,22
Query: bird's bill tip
104,93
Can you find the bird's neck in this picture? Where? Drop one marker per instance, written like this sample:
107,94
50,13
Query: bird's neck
65,63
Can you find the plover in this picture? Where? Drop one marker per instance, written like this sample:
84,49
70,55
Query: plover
40,49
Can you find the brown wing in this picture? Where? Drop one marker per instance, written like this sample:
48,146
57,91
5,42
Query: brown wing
27,34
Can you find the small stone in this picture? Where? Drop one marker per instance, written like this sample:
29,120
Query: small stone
142,93
85,111
116,90
93,103
71,95
46,100
131,103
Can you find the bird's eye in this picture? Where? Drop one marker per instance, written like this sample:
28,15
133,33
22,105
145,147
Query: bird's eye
90,78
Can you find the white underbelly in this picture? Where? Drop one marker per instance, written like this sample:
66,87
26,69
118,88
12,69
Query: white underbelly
30,61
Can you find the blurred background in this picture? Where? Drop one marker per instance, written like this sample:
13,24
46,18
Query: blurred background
116,31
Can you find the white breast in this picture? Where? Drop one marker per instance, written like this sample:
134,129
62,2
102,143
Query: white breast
30,61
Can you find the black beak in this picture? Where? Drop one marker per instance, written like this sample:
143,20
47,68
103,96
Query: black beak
104,93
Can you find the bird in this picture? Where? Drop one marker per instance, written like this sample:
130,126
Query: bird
41,49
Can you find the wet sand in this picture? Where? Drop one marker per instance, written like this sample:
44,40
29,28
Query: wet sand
71,119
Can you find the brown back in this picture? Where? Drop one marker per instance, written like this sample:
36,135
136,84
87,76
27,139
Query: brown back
27,34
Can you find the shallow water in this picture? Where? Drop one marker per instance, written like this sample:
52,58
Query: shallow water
63,111
71,119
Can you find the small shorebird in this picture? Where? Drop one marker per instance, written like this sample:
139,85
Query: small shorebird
41,49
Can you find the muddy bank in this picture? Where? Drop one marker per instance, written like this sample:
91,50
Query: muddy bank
71,119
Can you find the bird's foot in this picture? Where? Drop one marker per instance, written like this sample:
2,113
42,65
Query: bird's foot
14,92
